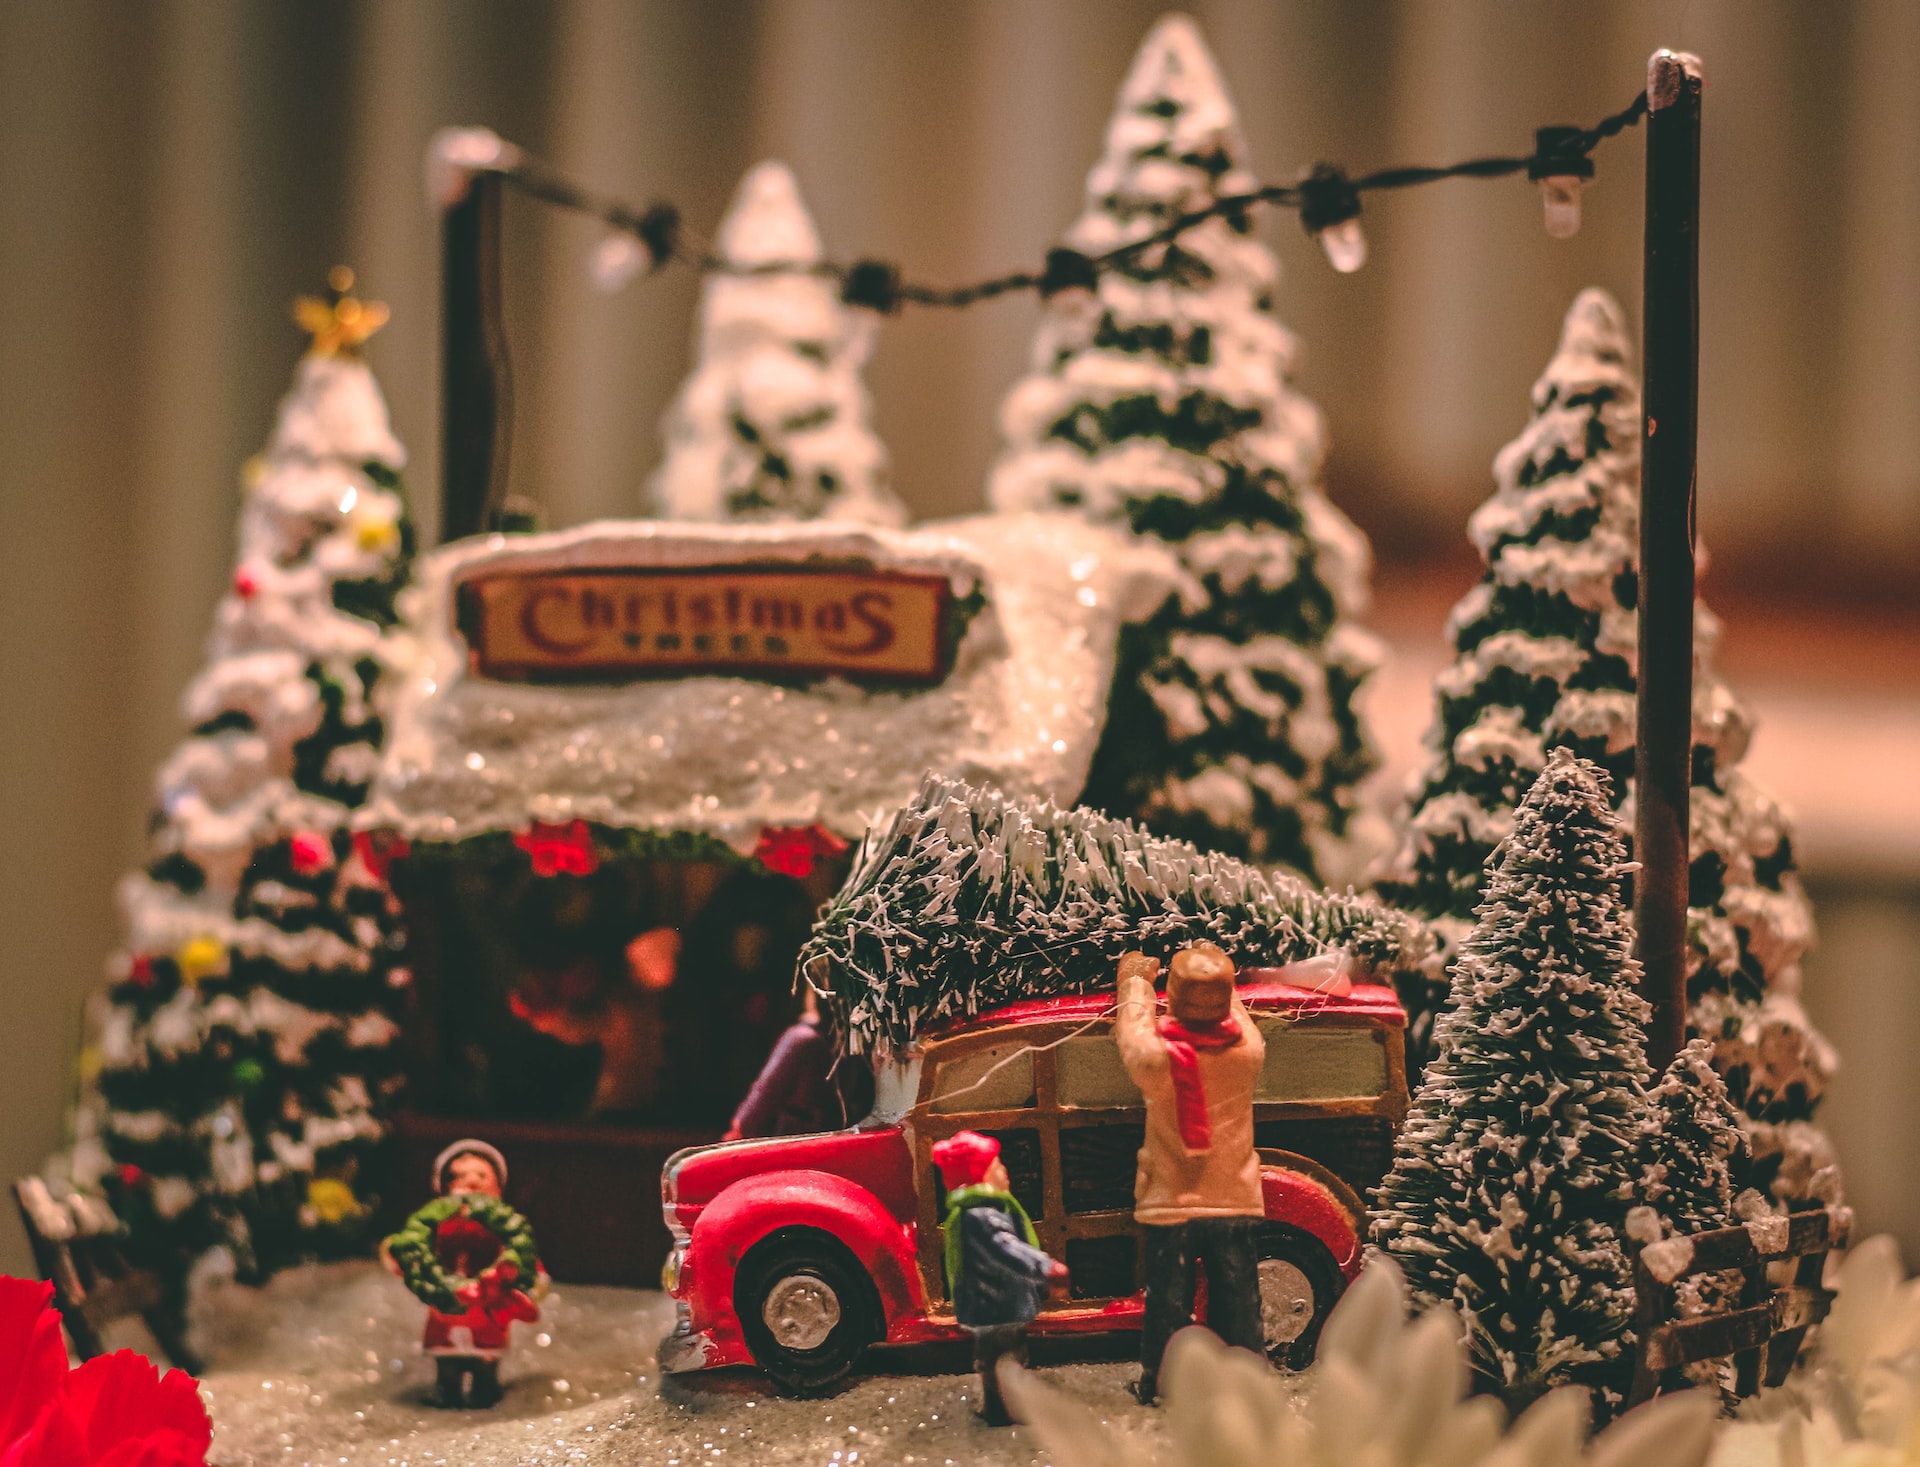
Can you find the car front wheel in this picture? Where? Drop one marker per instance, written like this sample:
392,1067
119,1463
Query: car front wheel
1299,1285
807,1309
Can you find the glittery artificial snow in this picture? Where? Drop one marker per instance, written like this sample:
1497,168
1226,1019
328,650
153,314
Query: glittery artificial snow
322,1369
1021,708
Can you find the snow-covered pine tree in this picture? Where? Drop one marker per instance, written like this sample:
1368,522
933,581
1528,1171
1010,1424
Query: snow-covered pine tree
1513,1175
773,421
1544,655
969,900
246,1050
1690,1145
1160,401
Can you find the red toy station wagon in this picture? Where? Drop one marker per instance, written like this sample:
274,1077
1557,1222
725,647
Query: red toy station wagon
795,1254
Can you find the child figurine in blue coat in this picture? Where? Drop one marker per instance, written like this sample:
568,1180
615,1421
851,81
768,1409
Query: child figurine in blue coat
997,1272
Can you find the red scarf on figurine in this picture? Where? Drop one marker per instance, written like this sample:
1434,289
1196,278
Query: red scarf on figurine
1184,1047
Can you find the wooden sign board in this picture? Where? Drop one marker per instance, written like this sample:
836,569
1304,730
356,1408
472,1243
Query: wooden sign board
612,625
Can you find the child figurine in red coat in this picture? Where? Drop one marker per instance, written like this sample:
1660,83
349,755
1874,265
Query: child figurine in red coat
471,1259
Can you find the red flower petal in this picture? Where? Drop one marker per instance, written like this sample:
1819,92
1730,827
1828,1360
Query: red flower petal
121,1400
33,1357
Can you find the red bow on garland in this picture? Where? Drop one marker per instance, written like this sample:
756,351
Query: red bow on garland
793,850
494,1292
560,850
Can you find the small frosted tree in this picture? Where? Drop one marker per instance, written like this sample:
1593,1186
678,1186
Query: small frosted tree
1160,402
1544,656
1690,1145
1512,1178
773,421
245,1051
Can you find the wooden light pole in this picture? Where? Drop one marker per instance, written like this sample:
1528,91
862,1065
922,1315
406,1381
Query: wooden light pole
473,355
1663,760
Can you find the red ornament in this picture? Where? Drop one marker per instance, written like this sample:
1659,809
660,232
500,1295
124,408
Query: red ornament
130,1176
310,852
245,584
378,850
140,971
793,850
116,1409
560,850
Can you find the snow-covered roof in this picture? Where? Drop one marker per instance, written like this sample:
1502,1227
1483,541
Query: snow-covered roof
1022,706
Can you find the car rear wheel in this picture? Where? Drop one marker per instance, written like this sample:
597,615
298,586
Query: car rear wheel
1299,1285
807,1309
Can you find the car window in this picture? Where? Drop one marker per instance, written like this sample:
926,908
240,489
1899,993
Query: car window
1309,1063
1091,1075
995,1077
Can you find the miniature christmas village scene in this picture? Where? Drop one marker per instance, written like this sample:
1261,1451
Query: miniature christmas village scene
762,981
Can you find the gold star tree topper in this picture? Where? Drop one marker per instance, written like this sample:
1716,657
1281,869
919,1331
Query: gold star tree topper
340,324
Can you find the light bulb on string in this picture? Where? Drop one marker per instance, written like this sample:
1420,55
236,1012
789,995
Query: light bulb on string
616,260
1330,212
1562,168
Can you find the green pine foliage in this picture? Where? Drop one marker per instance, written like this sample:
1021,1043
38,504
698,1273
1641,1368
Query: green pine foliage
1544,655
1160,402
969,900
246,1047
1512,1178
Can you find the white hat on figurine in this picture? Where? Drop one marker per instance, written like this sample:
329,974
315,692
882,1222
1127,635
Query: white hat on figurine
469,1147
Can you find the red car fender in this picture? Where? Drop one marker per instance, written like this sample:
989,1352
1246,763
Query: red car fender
754,1207
1308,1204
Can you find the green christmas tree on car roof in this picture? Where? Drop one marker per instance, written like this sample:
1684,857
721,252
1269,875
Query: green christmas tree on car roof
773,421
1513,1175
1159,401
246,1047
967,900
1544,656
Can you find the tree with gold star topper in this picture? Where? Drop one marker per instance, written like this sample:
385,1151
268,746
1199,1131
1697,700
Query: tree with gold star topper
245,1057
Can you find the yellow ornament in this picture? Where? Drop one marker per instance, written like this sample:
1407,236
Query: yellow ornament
340,324
200,957
376,533
91,1062
332,1201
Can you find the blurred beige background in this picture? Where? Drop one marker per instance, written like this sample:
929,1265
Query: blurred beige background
174,173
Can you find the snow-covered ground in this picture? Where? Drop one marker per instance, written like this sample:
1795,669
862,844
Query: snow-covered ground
321,1369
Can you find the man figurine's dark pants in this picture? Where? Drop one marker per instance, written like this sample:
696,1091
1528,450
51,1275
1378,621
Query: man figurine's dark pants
467,1380
1226,1247
993,1343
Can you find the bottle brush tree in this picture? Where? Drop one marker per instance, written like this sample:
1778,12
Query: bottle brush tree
773,421
1544,655
245,1052
1513,1176
1158,400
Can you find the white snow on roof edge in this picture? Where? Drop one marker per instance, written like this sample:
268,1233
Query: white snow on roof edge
1022,707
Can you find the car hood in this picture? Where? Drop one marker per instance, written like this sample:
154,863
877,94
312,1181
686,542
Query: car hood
877,1158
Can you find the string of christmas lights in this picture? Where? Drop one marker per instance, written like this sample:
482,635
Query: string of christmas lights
1328,201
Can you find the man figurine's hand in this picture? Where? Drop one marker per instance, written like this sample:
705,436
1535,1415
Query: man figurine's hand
1137,965
1057,1280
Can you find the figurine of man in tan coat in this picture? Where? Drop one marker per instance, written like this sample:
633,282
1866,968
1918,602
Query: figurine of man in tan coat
1197,1193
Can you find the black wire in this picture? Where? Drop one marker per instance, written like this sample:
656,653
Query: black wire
878,286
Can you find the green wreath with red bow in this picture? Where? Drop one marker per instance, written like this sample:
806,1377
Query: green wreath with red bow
512,1273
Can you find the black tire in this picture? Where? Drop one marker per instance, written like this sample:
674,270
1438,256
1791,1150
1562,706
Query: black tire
1299,1285
807,1309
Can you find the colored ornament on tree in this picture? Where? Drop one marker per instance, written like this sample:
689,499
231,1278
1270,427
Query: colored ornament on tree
1517,1164
1545,648
200,957
1161,403
310,853
773,421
